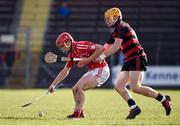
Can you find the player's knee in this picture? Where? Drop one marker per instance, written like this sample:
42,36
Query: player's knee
136,90
76,89
118,88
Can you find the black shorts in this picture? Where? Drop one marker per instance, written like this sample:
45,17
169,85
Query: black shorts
136,64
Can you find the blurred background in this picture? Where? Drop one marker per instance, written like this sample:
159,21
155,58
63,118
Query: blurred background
28,29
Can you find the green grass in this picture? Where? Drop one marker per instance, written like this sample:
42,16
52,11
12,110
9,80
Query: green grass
102,107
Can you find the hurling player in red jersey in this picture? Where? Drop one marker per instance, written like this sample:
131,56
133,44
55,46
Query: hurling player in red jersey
98,71
124,38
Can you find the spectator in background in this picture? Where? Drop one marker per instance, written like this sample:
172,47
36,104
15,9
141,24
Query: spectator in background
64,10
10,56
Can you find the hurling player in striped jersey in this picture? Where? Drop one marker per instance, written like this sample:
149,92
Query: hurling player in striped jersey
124,38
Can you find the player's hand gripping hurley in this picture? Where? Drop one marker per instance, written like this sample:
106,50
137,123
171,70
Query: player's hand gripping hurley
50,57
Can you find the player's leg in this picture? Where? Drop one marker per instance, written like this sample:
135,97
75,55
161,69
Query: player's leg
84,83
120,86
123,91
136,78
91,79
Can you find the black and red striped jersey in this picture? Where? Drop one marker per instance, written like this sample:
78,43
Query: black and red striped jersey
130,46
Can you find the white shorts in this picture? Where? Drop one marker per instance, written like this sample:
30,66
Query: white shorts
101,74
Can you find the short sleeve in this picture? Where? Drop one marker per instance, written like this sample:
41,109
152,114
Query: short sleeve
111,39
87,46
124,30
91,46
70,63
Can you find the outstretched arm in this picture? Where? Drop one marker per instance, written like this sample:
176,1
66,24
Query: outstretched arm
98,50
113,49
61,76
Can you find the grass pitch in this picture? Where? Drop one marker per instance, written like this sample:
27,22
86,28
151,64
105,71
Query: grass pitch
102,107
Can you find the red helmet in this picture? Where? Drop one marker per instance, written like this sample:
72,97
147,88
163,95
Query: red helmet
62,38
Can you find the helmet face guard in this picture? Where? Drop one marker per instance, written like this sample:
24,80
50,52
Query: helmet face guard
63,38
63,41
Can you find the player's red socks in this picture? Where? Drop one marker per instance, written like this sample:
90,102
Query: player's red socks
77,114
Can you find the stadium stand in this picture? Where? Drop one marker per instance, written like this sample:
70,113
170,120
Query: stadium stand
7,15
31,26
85,22
9,18
156,24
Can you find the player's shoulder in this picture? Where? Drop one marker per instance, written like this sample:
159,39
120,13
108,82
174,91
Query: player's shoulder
83,42
126,26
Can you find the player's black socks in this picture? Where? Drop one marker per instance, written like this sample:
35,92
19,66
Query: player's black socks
131,102
159,97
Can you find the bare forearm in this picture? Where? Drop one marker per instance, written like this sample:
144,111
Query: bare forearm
99,50
114,48
61,76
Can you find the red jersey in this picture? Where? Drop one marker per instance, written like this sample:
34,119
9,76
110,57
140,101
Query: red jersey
84,49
